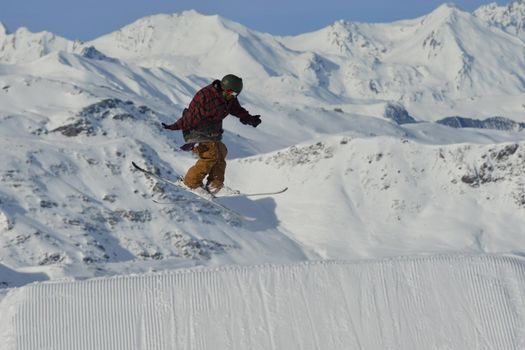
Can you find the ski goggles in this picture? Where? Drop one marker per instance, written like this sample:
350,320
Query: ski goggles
231,93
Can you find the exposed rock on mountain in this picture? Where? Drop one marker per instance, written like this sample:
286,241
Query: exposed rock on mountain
496,123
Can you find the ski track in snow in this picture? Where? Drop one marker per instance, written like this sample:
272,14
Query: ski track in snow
435,302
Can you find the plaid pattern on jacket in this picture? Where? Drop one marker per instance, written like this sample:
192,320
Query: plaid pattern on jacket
207,110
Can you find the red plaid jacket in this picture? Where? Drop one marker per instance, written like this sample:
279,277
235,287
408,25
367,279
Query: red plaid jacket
207,110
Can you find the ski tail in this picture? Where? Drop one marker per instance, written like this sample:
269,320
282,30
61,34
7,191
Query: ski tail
158,177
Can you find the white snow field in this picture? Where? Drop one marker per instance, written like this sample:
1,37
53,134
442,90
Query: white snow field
441,302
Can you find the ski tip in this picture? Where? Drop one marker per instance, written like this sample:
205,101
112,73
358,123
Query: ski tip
137,166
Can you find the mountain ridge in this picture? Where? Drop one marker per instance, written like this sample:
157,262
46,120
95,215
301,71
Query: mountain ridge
447,58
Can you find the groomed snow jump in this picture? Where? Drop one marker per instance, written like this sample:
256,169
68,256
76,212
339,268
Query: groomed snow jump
443,302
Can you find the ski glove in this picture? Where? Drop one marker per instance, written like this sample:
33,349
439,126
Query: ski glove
252,120
188,146
169,126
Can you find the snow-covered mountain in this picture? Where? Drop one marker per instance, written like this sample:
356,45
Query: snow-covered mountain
24,46
454,61
190,42
510,18
346,112
395,139
447,58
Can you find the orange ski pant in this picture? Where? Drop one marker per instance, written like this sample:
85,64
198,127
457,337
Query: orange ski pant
211,163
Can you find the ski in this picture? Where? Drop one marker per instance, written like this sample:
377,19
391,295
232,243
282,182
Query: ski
152,174
182,186
240,194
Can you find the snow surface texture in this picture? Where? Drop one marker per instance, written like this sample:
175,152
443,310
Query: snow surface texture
447,302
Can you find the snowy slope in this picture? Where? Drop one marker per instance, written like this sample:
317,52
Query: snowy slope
447,302
77,208
70,196
393,196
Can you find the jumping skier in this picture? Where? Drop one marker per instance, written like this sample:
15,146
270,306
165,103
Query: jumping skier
201,125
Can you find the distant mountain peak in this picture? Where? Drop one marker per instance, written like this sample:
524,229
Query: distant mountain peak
443,15
3,30
165,32
174,20
449,7
190,39
446,10
25,46
517,7
510,18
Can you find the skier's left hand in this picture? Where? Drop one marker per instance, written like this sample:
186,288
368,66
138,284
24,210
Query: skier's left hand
188,147
253,120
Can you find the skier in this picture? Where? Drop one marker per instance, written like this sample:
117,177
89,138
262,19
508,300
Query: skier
201,125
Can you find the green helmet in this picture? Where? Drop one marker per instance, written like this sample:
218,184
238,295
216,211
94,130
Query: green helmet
232,82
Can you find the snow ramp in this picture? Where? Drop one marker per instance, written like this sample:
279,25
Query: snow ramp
442,302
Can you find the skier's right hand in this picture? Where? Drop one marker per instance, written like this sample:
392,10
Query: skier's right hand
253,120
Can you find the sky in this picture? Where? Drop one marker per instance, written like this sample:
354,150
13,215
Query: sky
89,19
